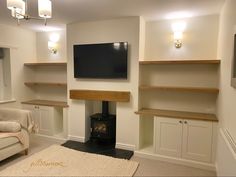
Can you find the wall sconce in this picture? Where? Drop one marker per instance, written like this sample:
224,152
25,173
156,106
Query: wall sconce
178,29
52,46
52,43
178,39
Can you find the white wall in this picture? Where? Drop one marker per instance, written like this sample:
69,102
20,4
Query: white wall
56,74
199,39
49,73
22,48
6,76
43,54
227,97
126,29
199,42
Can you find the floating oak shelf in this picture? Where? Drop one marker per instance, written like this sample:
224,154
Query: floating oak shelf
160,62
30,84
116,96
46,64
46,103
178,114
180,89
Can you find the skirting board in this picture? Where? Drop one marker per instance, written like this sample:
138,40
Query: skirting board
49,138
229,141
125,146
190,163
226,156
76,138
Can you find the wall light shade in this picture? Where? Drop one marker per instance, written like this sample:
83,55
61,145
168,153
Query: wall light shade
178,35
52,46
52,43
54,37
178,29
45,8
179,26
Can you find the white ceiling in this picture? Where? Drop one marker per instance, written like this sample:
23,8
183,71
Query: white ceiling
68,11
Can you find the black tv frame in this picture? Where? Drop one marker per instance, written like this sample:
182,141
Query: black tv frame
106,77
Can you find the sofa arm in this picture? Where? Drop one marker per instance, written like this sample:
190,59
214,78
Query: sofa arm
18,115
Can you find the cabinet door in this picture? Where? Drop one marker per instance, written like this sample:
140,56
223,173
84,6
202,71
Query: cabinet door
197,140
46,120
168,133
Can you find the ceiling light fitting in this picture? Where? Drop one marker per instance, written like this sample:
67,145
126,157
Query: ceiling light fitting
19,10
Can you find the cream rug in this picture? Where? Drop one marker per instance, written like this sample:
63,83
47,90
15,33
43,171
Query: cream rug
60,161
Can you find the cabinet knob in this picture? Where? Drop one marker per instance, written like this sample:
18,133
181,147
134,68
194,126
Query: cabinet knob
180,122
185,122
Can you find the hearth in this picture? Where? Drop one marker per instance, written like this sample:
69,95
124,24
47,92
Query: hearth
103,125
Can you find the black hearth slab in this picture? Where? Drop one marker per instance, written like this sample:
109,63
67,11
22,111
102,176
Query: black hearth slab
90,146
118,153
99,148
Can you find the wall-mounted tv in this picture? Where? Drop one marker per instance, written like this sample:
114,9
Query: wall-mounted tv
101,61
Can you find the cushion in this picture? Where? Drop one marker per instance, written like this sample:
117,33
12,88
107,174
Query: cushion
6,126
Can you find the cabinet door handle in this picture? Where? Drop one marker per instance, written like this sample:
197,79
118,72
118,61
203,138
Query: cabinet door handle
185,122
180,122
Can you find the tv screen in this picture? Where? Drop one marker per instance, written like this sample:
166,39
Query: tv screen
101,61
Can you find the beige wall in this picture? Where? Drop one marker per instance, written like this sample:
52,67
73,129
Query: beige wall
199,39
126,29
226,157
22,48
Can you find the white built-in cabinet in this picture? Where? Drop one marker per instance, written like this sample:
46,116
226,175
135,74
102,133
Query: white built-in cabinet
187,139
177,101
48,119
43,117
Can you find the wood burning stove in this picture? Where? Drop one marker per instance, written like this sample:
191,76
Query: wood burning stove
103,125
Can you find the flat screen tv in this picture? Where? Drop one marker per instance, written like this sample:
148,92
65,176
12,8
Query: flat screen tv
101,61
